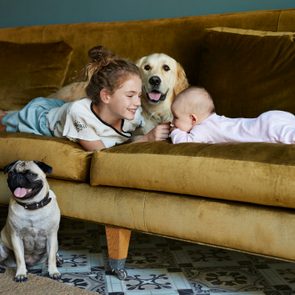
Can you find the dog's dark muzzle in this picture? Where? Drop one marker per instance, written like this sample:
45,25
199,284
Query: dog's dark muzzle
155,96
24,185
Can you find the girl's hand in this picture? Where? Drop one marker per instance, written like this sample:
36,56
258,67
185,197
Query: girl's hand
160,132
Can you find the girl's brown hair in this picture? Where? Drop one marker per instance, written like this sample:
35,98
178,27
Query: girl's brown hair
110,72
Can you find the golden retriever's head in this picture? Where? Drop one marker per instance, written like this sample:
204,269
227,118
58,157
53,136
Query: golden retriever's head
162,76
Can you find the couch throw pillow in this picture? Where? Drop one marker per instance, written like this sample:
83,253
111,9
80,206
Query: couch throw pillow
31,70
248,72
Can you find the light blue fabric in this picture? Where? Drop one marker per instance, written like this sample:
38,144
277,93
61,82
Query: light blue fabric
32,118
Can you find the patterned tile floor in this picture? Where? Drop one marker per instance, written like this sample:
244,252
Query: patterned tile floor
159,266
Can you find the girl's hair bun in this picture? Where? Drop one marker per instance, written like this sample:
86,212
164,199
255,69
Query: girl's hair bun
100,54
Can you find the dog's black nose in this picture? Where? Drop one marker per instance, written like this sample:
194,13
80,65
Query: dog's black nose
155,81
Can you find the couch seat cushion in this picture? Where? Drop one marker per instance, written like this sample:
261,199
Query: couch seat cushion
68,160
261,173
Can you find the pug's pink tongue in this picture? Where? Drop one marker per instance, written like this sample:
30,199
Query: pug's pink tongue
154,96
20,192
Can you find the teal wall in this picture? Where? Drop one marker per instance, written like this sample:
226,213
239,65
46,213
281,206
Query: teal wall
38,12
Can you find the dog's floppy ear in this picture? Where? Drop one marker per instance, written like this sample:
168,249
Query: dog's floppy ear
181,80
9,166
139,61
44,167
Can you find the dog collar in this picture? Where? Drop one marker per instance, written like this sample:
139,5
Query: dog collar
37,205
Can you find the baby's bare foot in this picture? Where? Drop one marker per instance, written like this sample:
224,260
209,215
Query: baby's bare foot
2,114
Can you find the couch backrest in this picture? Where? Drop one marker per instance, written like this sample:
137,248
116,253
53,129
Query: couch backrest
177,37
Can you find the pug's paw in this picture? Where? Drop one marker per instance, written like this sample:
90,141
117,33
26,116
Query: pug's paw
21,278
55,276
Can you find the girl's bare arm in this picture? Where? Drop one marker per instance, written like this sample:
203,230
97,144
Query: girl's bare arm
92,146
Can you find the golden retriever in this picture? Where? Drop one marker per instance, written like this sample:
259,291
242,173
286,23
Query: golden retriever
163,78
71,92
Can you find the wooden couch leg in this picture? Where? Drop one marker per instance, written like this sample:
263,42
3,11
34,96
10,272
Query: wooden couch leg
118,244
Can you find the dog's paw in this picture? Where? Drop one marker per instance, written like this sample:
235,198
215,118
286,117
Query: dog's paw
55,276
59,260
20,278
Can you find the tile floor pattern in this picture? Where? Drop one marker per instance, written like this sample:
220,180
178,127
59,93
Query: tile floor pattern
159,266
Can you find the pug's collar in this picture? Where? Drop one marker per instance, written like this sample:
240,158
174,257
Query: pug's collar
36,205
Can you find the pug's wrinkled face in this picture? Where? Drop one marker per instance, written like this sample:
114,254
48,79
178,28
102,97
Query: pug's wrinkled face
26,179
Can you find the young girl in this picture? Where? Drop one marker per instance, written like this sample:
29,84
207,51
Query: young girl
107,117
195,120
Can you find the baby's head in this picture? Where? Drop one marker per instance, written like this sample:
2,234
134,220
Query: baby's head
191,107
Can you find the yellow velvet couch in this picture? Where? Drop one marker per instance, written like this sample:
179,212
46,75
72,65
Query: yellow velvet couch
234,196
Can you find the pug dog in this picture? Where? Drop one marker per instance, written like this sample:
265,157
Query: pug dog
30,232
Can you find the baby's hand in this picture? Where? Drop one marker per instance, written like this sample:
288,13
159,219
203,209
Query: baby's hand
172,127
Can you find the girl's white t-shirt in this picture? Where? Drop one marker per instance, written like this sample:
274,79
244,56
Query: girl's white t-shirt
76,120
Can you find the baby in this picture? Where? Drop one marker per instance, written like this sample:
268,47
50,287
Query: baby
195,120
